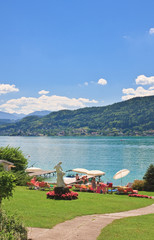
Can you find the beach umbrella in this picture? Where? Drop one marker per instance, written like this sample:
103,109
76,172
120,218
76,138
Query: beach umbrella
120,174
95,173
80,170
33,169
69,180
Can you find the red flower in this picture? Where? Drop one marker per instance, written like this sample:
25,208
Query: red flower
139,195
65,196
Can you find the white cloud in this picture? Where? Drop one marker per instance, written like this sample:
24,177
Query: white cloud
128,91
143,80
86,83
43,92
151,31
139,92
151,88
7,88
86,100
102,81
52,103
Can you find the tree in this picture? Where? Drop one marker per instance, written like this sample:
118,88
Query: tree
1,168
149,178
7,185
15,156
10,226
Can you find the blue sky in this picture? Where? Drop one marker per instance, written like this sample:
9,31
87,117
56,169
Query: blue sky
57,54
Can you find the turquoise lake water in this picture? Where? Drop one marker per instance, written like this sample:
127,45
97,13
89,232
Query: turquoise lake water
109,154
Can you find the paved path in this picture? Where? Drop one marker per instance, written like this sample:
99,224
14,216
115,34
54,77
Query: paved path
85,227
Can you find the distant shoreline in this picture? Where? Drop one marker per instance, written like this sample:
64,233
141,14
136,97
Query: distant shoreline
83,135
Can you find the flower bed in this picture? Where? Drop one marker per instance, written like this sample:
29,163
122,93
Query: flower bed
65,196
139,195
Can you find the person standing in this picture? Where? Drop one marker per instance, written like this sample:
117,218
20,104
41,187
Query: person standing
93,182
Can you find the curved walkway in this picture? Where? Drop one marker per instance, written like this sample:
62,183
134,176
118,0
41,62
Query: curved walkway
85,227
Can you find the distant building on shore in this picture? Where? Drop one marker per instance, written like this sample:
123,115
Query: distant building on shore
6,165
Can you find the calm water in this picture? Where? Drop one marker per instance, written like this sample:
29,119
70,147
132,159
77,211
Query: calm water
109,154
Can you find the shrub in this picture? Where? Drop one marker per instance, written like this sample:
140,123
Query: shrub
15,156
1,168
21,178
7,185
11,228
39,178
149,178
139,185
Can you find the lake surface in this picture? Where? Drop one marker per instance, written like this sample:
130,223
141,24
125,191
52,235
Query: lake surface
109,154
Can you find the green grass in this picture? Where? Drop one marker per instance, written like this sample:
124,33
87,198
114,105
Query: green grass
38,211
147,193
134,228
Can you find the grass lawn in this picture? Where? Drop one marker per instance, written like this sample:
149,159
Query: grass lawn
38,211
134,228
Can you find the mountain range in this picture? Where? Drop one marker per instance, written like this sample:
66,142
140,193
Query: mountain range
131,117
9,116
4,116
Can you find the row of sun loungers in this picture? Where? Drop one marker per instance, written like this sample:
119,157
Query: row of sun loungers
33,184
101,188
104,189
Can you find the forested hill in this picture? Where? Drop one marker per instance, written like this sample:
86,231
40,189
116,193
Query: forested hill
131,117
